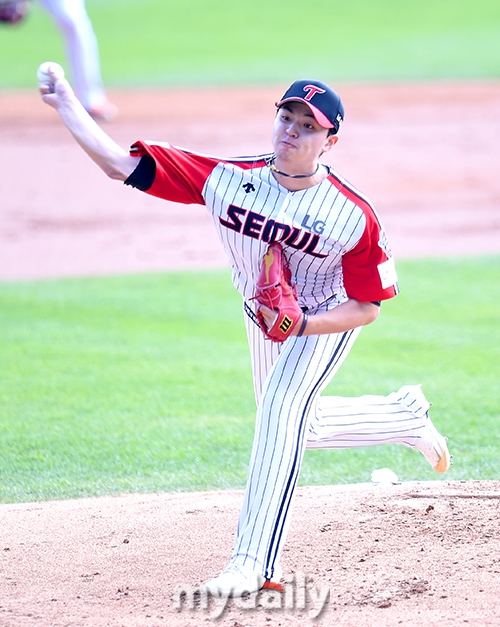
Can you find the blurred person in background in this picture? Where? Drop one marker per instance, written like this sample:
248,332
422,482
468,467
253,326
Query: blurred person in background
81,47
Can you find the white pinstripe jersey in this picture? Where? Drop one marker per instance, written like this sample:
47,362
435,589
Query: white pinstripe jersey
330,233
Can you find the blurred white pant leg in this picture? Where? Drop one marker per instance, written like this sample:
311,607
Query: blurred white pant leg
81,48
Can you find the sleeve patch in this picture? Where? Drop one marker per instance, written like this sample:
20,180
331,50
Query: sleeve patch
387,272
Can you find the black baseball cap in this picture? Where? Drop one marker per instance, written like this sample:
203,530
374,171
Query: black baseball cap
323,101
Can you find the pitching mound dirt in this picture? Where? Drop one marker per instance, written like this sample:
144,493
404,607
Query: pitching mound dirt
413,554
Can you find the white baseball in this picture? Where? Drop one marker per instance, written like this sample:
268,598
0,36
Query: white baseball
43,72
384,475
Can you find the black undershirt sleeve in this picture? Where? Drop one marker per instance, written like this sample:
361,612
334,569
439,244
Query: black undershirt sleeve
144,175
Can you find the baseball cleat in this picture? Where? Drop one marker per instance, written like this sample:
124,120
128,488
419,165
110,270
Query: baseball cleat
236,581
429,442
434,447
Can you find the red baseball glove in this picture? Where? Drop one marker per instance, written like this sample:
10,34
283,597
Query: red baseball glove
274,289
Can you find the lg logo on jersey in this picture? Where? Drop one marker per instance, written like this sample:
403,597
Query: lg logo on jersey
317,227
268,230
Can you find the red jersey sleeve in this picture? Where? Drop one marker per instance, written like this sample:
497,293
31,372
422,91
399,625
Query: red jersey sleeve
180,175
368,269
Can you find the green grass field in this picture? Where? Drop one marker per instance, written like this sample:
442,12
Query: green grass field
127,384
167,42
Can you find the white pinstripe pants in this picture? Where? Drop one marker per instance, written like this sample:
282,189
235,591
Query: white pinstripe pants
291,416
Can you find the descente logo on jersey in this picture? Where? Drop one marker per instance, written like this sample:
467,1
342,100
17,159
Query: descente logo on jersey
268,230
